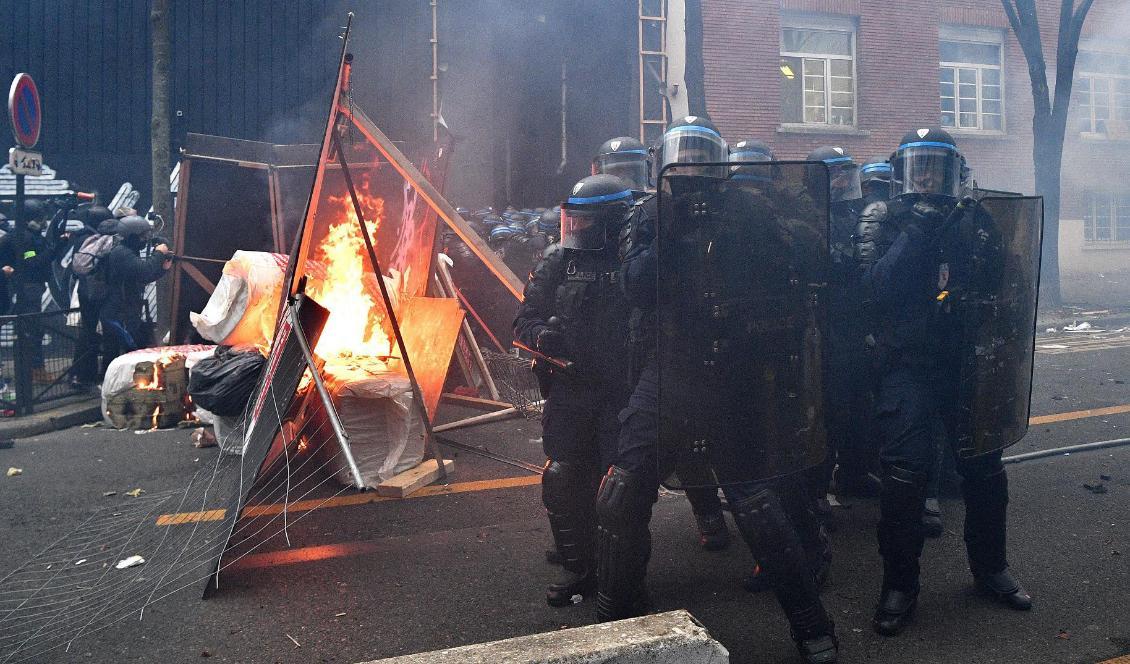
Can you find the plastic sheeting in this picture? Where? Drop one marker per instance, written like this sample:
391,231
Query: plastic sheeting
385,432
242,309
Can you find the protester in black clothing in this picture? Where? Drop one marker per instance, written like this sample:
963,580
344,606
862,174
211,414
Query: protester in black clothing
25,265
97,220
127,274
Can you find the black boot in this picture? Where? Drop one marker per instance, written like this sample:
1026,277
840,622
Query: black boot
986,506
900,543
566,490
623,545
932,524
712,532
773,539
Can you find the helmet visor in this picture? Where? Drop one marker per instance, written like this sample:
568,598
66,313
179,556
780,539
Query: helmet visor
746,170
629,165
584,229
926,168
875,172
843,181
694,145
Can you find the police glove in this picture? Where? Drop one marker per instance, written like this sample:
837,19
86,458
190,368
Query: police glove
923,221
551,342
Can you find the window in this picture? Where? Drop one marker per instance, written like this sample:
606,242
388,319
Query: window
970,85
818,76
1106,218
1102,94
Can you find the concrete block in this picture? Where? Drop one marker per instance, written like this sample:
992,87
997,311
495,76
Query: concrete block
674,637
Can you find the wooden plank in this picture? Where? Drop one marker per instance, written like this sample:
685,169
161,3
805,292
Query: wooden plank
410,481
489,405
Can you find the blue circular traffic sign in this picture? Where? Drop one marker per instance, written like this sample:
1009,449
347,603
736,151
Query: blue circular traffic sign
24,110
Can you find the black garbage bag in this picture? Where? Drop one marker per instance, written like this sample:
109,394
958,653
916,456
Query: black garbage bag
224,383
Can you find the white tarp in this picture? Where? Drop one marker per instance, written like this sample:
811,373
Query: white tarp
242,309
385,433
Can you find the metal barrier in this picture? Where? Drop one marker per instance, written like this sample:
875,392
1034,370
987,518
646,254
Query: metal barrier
37,359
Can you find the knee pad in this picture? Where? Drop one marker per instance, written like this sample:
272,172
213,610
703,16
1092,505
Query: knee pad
564,483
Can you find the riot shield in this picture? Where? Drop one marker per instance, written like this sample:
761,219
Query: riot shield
740,320
996,275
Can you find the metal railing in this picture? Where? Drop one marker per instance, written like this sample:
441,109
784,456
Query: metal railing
37,359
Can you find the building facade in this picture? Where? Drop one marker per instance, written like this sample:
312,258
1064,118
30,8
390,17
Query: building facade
860,74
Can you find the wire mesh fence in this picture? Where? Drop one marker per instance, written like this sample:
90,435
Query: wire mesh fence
517,384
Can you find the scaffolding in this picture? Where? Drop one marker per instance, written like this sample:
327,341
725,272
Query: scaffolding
652,40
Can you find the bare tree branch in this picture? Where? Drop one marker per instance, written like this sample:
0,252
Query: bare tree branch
1013,19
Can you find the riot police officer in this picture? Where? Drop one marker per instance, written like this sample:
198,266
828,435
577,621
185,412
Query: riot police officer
875,180
574,311
847,378
627,158
938,249
773,518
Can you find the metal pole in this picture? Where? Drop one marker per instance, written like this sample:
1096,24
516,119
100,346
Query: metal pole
20,218
327,400
417,393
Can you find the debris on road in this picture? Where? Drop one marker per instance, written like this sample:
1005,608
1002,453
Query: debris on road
1077,327
12,471
1063,635
1105,478
107,494
296,643
1095,488
202,437
338,615
135,493
80,561
132,561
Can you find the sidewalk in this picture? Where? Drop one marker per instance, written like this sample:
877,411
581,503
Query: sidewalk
63,414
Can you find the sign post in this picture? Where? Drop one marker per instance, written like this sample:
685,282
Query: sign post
26,115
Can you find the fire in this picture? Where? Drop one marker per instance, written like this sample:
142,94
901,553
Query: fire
156,415
347,287
166,358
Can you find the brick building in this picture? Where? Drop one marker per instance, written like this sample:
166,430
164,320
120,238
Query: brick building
859,73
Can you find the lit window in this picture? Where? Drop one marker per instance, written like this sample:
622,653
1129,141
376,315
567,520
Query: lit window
1106,218
970,85
818,76
1102,93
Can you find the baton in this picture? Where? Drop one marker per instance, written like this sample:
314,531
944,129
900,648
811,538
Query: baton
564,365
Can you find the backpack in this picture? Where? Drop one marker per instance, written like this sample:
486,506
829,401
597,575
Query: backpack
90,254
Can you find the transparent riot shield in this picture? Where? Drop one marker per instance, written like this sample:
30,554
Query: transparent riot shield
740,319
994,266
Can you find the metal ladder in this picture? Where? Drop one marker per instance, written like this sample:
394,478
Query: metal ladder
652,69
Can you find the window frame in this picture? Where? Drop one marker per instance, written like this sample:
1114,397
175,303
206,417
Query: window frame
983,37
1113,202
823,24
1110,96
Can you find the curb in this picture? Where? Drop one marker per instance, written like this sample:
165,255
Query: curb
56,419
674,637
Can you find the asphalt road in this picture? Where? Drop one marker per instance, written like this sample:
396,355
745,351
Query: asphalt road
371,580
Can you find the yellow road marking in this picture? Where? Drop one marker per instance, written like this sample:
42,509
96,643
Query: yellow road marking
503,483
353,499
1080,414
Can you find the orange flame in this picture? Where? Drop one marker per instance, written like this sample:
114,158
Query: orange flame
346,287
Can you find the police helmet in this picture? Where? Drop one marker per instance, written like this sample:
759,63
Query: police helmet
626,158
843,173
694,139
746,151
596,209
926,162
